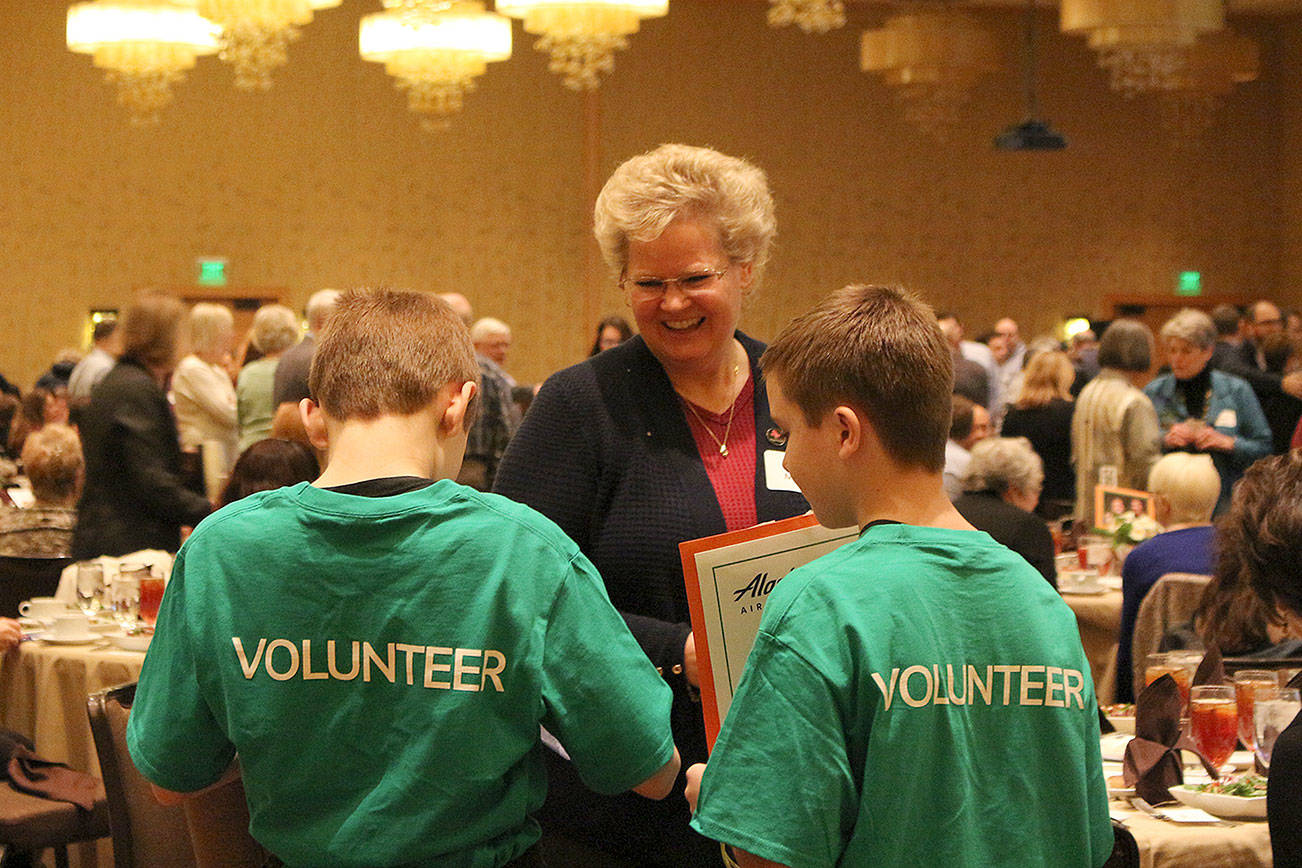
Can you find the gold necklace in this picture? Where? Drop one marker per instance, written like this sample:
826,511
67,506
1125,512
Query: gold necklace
722,444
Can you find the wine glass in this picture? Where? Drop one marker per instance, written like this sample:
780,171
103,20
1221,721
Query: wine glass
124,595
1214,722
1273,710
90,585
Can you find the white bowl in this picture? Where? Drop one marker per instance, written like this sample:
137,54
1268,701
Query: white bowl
1221,805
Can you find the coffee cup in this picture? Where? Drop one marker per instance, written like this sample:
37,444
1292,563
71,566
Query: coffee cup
1079,581
72,625
41,607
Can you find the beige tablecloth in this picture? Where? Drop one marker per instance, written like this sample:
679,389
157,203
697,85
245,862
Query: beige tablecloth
43,690
1163,844
1099,618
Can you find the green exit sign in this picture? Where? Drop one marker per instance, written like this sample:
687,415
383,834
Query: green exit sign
1189,283
212,271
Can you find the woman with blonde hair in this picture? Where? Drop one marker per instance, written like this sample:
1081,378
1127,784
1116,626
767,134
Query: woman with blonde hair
664,438
1185,488
53,462
1042,414
275,329
202,388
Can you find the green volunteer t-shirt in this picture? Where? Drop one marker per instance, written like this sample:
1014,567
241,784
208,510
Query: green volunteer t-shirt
916,697
382,666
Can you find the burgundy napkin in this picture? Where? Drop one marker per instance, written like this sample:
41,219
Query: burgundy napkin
30,774
1211,670
1152,761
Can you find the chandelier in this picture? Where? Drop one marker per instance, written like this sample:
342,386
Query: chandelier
1212,67
933,58
435,54
256,34
144,46
582,36
1142,44
811,16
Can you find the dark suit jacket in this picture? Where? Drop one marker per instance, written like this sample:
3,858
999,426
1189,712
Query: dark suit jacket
134,496
605,452
1281,409
1019,530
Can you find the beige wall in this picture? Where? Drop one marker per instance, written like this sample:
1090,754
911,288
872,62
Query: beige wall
328,181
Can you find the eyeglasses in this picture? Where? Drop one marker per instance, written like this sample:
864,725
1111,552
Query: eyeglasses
648,287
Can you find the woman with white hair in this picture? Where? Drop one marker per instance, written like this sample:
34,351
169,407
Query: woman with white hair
201,385
275,329
1185,489
1204,410
664,438
53,462
1000,490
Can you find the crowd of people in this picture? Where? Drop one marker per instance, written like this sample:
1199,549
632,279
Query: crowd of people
447,560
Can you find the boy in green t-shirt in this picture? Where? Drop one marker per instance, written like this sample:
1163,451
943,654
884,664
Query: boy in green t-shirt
918,696
381,646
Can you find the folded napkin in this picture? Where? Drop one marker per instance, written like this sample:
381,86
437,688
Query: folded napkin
1296,680
1152,761
1211,670
28,773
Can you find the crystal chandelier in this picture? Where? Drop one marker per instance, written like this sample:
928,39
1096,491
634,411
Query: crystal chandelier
1141,44
811,16
1212,67
144,46
436,55
933,58
256,34
582,36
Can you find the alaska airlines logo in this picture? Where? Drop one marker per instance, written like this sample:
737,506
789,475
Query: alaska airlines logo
760,586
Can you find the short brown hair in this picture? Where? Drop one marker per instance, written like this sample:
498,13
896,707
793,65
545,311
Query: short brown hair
385,352
151,329
879,349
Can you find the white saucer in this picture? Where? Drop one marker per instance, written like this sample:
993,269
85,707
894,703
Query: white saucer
84,639
131,643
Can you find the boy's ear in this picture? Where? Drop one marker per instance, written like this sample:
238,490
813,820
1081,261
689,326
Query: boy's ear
454,416
314,423
848,426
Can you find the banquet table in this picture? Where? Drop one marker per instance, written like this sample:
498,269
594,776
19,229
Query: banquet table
1098,616
43,690
1164,844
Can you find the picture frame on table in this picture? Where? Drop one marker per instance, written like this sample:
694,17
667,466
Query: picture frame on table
1111,502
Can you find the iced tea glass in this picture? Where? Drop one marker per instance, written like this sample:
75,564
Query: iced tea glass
151,597
1214,722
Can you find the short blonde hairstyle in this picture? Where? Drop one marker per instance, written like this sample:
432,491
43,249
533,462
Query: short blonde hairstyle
275,328
1192,326
487,327
210,324
1189,483
1049,375
54,463
647,192
1001,463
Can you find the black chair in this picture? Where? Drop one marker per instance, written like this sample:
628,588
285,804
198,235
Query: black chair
1125,851
24,578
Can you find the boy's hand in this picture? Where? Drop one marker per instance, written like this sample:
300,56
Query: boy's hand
693,790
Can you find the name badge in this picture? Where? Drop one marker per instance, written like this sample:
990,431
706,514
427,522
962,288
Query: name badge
1227,418
775,474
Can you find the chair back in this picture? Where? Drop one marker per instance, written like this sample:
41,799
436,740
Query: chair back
1169,603
24,578
145,833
